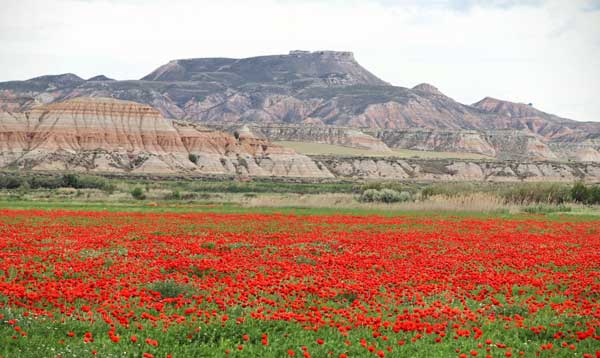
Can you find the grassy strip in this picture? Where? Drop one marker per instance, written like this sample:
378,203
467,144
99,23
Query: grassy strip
234,208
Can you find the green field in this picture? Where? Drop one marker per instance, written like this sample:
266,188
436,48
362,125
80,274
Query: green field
310,148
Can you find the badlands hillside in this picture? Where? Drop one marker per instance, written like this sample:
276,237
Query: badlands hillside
105,135
108,135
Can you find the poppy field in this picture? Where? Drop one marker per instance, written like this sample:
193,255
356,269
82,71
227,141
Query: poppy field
85,284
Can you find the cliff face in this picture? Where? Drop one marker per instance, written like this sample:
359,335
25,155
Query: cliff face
441,141
458,170
323,88
103,135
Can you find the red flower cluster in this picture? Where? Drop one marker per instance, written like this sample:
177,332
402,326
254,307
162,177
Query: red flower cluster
404,279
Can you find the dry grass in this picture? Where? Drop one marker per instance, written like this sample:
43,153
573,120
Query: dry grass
475,202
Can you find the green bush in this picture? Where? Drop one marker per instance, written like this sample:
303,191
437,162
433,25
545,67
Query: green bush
138,193
193,158
579,193
10,182
594,195
53,182
87,182
448,189
174,195
538,193
369,195
39,182
384,196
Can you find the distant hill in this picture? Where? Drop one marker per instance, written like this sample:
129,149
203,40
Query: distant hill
320,89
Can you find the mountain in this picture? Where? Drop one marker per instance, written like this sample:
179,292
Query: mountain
325,89
298,69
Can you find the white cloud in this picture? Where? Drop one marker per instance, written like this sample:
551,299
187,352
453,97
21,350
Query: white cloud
545,52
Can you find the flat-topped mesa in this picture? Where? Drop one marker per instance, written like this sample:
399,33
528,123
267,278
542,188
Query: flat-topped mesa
99,78
300,68
341,55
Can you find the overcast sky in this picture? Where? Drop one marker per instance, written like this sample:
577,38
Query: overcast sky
542,51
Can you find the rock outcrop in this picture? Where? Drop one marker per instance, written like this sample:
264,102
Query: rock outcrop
106,135
458,170
437,141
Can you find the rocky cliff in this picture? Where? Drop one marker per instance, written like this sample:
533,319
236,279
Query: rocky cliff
105,135
458,170
322,88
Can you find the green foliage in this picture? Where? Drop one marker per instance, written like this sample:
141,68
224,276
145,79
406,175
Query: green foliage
10,182
581,193
594,194
384,196
44,182
208,245
53,182
449,189
193,158
87,182
176,195
537,193
138,193
546,209
168,288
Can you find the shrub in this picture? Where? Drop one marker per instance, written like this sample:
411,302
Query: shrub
384,196
579,193
594,195
70,180
586,195
174,195
389,196
448,189
10,182
138,193
369,195
193,158
45,182
405,196
537,193
87,182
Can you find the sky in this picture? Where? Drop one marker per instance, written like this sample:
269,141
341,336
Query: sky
545,52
